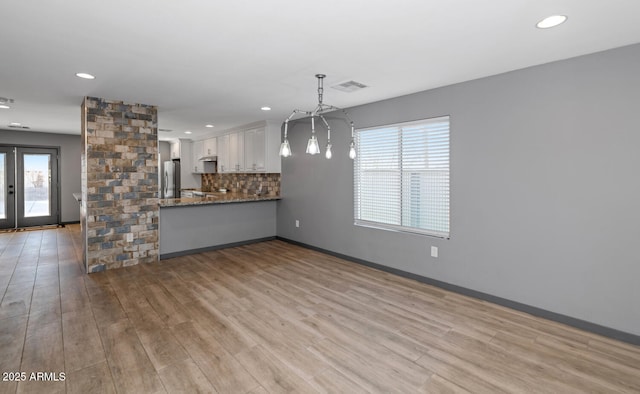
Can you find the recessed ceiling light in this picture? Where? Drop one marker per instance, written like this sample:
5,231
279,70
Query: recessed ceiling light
266,108
16,125
187,132
4,102
85,76
551,21
209,125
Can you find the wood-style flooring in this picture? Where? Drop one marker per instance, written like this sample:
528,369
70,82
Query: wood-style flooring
272,317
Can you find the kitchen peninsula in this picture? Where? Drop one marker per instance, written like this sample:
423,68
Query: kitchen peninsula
190,225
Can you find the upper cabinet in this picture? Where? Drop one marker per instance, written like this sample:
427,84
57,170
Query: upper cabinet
223,153
252,148
210,147
200,150
175,149
236,152
262,153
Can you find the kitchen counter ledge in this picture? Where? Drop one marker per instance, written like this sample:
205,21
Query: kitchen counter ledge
215,198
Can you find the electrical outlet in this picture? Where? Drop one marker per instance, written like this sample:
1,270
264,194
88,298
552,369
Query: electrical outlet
434,251
129,237
297,223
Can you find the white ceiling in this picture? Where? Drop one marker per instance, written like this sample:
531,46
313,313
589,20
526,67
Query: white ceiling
220,61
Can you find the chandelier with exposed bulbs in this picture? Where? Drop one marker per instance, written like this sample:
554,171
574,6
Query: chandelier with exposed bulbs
313,148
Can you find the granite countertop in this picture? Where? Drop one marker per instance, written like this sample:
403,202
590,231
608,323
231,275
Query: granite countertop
215,198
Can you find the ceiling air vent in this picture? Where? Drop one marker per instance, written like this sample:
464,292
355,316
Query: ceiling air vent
166,130
349,86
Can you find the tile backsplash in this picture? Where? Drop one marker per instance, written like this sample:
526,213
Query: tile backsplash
243,182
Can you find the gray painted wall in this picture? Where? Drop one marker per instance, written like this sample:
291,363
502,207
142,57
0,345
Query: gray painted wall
545,194
188,228
69,164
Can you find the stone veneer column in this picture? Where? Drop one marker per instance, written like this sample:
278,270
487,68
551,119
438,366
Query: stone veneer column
119,184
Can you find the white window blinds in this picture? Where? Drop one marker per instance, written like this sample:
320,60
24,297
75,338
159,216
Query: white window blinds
401,177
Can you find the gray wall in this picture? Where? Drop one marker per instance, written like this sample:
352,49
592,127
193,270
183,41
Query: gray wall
545,204
69,164
189,228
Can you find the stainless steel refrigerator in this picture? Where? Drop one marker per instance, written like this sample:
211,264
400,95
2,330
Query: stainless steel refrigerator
171,179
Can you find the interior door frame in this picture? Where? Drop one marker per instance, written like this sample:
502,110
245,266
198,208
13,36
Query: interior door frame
19,220
10,218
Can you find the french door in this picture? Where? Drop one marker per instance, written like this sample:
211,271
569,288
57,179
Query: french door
29,191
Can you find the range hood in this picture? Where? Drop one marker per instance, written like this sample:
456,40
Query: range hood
208,158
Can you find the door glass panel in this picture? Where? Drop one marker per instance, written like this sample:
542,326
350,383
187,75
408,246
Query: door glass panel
3,186
37,187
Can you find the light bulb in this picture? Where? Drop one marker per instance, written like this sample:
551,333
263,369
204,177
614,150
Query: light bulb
312,146
328,152
551,21
285,150
352,151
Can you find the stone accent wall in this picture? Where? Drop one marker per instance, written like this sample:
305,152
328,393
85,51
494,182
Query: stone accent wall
119,184
242,183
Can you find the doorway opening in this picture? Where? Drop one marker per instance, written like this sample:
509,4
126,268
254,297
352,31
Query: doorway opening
29,186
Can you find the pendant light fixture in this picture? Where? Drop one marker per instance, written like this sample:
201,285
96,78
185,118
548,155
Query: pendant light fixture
313,148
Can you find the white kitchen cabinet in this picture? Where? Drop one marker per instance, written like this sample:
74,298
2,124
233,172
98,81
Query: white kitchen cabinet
223,153
210,147
262,148
197,165
175,149
254,150
236,152
188,180
200,150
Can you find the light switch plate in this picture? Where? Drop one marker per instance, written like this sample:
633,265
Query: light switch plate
434,251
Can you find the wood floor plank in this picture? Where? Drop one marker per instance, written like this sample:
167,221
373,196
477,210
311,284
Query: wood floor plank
332,381
164,304
397,367
82,345
232,338
271,373
290,351
185,377
575,370
130,366
162,347
73,295
43,352
92,379
219,366
12,335
365,371
17,300
438,384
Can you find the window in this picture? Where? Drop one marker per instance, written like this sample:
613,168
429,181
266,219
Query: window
401,177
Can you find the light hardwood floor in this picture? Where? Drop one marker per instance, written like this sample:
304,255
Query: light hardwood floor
272,317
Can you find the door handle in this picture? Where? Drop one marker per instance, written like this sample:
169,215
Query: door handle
166,183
